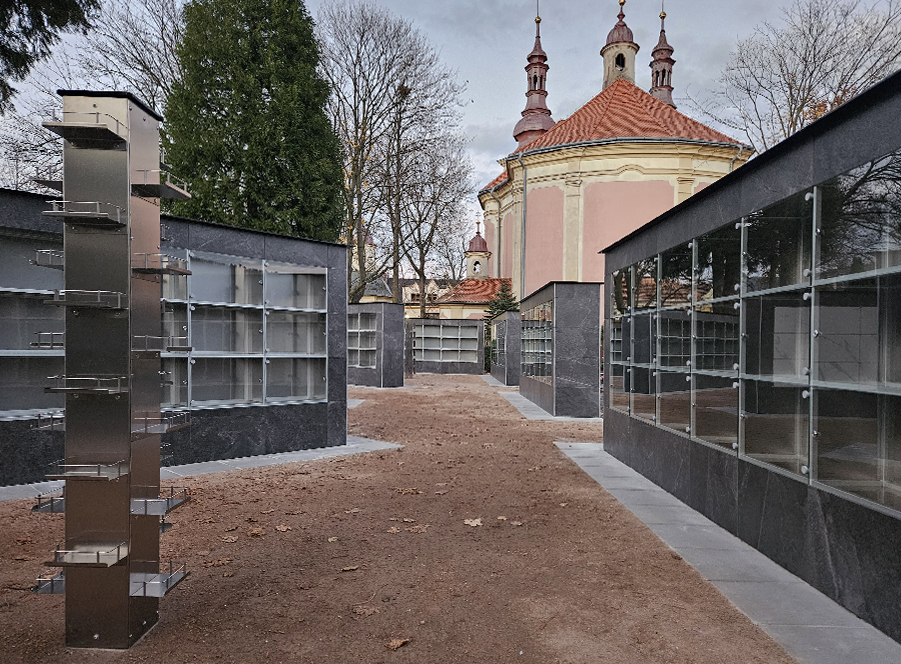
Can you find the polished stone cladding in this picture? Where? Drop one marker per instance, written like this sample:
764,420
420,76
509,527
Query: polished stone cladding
561,364
387,370
506,345
752,353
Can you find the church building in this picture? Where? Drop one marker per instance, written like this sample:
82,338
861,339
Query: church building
572,188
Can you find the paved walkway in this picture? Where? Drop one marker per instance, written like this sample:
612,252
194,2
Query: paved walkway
809,625
528,409
355,445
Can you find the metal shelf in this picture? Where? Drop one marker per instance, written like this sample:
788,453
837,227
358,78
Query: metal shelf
52,258
50,422
47,504
89,299
67,469
49,340
54,585
159,264
88,553
89,130
153,424
170,498
88,213
148,584
147,343
88,385
56,185
169,186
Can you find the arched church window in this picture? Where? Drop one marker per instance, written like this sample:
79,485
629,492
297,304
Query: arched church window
620,62
477,267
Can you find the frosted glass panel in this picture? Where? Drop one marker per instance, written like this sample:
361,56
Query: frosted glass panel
296,332
296,379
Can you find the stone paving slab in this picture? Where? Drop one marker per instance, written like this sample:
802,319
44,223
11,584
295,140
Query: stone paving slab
810,626
494,382
353,403
355,445
532,412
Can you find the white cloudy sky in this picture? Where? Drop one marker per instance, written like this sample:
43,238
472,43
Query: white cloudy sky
487,42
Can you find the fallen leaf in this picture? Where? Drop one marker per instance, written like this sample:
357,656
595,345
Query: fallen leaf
409,520
410,491
365,610
23,540
250,519
283,529
351,511
294,512
210,520
675,555
473,522
393,530
394,644
232,529
267,512
563,504
440,493
228,574
417,529
332,539
219,562
350,569
516,523
22,556
256,532
501,518
230,539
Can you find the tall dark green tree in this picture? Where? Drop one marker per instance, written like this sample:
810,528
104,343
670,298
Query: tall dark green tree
246,126
28,31
502,301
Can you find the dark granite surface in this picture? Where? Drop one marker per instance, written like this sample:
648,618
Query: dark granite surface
389,364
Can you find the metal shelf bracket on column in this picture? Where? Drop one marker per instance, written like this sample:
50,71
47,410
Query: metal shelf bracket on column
49,340
159,264
88,213
88,552
168,186
85,299
52,258
88,385
97,131
83,469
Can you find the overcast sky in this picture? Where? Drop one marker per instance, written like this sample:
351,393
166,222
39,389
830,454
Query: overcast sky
487,42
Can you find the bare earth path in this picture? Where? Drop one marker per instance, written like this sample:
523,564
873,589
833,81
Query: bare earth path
358,554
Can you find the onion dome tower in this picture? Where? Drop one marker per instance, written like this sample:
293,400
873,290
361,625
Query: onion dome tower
477,256
619,51
536,118
662,67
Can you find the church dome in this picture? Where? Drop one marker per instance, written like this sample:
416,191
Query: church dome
478,243
621,32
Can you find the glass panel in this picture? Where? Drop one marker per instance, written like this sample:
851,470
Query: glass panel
620,338
719,263
288,332
175,383
538,342
716,410
777,335
368,321
175,321
675,339
222,330
847,340
175,287
296,379
860,224
620,387
675,276
17,269
779,244
644,393
217,380
23,317
675,401
717,335
776,424
228,283
299,291
23,379
645,281
644,343
620,292
890,330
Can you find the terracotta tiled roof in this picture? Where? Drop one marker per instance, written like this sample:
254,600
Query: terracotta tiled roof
473,291
500,179
624,111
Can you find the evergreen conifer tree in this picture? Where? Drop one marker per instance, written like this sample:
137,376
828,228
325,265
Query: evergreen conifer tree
502,301
246,125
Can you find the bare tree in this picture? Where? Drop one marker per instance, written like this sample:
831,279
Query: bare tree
451,243
784,77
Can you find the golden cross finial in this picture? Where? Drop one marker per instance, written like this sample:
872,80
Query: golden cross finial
662,10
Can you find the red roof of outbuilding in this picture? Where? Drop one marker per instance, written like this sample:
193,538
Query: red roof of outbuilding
624,111
473,291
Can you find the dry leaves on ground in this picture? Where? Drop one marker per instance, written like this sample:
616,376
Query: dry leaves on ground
332,539
232,529
417,529
407,492
473,522
24,540
267,512
256,532
394,644
219,562
365,610
350,568
393,530
230,539
283,529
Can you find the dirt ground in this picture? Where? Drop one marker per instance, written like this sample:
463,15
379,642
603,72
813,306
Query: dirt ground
477,542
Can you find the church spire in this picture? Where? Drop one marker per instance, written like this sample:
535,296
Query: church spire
619,51
536,118
662,66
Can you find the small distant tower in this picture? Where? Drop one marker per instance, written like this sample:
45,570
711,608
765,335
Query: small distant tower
477,256
662,67
536,118
619,52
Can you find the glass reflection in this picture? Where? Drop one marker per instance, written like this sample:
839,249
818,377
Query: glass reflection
777,335
776,424
675,339
221,330
644,276
644,391
860,225
616,339
644,338
675,276
675,401
779,244
717,332
719,263
716,410
620,387
621,292
217,381
847,339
